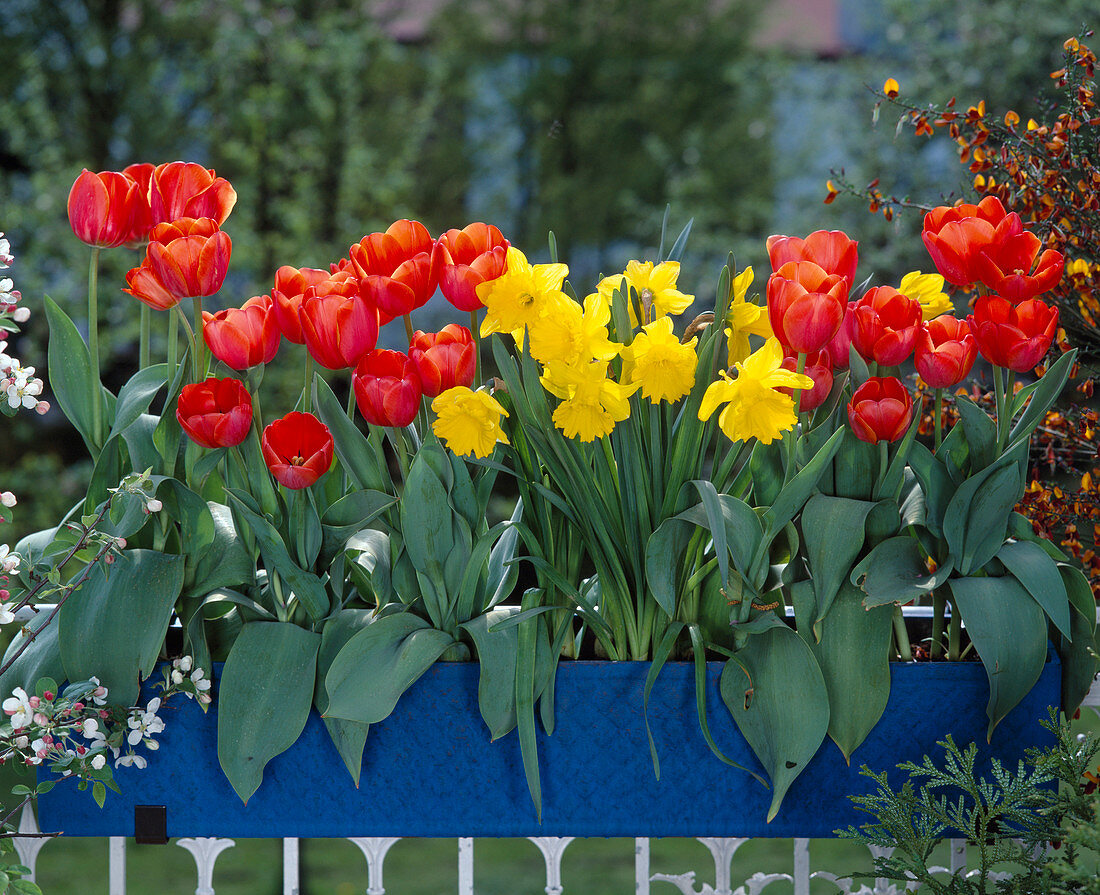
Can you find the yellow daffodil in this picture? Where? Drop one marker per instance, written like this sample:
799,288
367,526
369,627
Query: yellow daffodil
754,407
468,422
591,403
655,285
744,319
570,335
664,368
927,288
521,296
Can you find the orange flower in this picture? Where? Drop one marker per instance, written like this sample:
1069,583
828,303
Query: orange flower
831,250
467,258
339,326
188,190
885,324
101,208
1013,337
142,175
443,360
395,268
243,337
297,449
1013,267
186,258
945,351
956,235
819,368
291,284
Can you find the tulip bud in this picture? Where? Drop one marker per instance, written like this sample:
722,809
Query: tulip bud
387,388
885,324
945,351
880,410
444,359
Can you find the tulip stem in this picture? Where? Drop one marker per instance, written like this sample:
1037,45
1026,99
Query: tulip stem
307,384
93,346
190,338
1010,383
954,634
883,463
901,636
792,433
402,451
939,611
476,332
408,326
173,346
143,342
939,418
200,342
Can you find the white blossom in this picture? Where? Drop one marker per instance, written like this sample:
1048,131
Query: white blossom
131,759
144,722
18,705
9,562
6,257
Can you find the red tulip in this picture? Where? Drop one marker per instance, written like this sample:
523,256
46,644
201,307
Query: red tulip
467,258
297,449
945,351
143,223
1013,267
880,410
215,413
831,250
186,258
339,326
955,236
806,305
885,324
188,190
444,359
839,344
243,337
291,284
395,268
1013,337
101,208
387,388
819,368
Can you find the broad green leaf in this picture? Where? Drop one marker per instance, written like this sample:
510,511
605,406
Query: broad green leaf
981,433
70,373
349,737
378,664
139,443
114,625
167,434
1020,528
895,572
716,525
502,573
105,475
798,490
497,652
855,468
1040,576
264,697
935,483
357,456
1009,632
224,562
976,519
766,464
357,509
137,394
463,494
777,696
1079,662
832,528
426,516
369,551
854,655
41,659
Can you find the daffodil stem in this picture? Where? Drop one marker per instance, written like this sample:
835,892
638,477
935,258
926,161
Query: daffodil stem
939,418
200,342
408,326
143,343
477,348
93,346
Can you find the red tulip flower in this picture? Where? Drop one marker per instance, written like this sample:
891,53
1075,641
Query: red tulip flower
831,250
339,326
467,258
297,449
101,208
188,190
955,236
186,258
880,410
885,324
243,337
945,351
838,345
819,368
1013,267
291,284
806,305
387,388
216,413
143,223
395,268
444,359
1013,337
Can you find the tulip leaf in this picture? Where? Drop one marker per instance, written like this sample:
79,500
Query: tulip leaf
264,697
976,519
855,468
497,652
798,490
766,465
349,737
70,373
854,655
137,394
369,551
1009,633
167,435
895,572
426,516
502,572
379,663
663,554
981,433
1079,662
832,528
114,625
1021,528
358,458
935,483
224,562
1040,576
41,659
1049,388
774,689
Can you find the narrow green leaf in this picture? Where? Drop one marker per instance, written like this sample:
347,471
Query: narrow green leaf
356,455
137,394
70,373
349,737
798,490
1079,655
1042,399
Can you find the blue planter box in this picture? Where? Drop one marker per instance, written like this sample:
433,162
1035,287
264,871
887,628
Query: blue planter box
430,770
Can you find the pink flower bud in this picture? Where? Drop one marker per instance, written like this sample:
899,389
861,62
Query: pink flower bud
7,499
48,695
80,750
21,315
42,407
40,719
78,706
4,595
103,713
34,702
121,543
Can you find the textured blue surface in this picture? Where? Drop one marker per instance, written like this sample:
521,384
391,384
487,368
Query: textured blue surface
430,770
